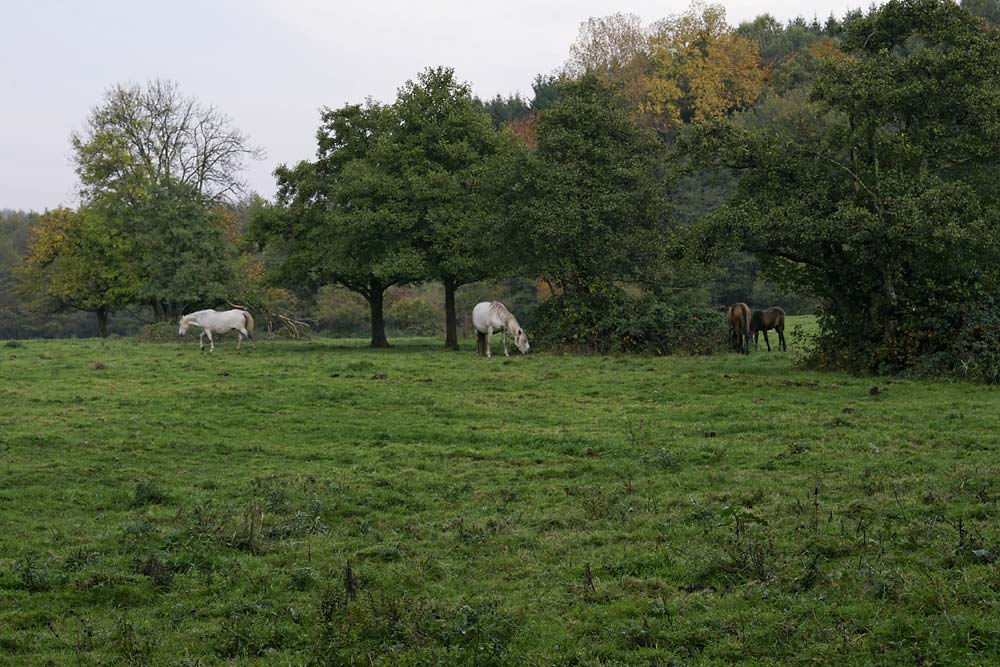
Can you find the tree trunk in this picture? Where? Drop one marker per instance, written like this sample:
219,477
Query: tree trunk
102,322
450,319
376,297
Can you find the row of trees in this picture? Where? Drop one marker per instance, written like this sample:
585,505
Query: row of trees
389,199
852,159
428,189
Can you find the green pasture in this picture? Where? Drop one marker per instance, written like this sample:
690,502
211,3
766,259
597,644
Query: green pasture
317,502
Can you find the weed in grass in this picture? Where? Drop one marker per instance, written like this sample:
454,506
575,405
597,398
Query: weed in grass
137,531
412,629
148,492
247,535
253,630
160,572
135,647
350,582
302,523
33,575
302,578
663,459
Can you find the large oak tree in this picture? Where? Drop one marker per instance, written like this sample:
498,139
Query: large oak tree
343,218
441,141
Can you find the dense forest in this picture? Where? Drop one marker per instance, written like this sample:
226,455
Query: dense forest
844,167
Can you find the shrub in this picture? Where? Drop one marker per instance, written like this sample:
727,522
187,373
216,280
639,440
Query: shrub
342,312
414,316
609,320
974,351
164,332
960,341
148,492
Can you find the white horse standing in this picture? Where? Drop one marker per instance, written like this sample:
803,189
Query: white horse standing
214,321
490,316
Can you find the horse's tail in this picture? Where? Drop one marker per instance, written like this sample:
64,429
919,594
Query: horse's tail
249,322
746,320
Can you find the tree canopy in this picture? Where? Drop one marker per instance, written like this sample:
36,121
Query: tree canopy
587,206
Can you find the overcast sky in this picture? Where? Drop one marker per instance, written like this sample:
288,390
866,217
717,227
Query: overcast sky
271,64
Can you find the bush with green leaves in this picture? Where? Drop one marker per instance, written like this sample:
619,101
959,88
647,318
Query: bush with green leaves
414,316
608,320
973,351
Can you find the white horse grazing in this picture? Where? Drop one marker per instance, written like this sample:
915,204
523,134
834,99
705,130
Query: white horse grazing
214,321
490,316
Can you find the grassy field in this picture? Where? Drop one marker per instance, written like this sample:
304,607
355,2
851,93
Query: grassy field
320,503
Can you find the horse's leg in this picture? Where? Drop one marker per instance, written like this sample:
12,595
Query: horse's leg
505,352
489,341
201,341
781,339
240,333
211,341
767,341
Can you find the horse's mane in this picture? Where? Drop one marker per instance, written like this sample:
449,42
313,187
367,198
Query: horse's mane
505,315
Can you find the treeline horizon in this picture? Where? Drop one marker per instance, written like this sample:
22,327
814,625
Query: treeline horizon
842,167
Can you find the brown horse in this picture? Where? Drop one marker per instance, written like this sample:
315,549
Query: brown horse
739,327
762,320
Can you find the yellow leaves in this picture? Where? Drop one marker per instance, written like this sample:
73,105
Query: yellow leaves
229,224
701,69
49,237
825,48
663,100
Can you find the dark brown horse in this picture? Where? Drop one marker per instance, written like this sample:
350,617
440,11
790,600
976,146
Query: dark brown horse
739,327
762,320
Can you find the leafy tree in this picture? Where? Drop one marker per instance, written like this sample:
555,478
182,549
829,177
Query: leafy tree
154,164
881,193
505,110
586,208
183,252
777,42
75,260
614,48
341,218
989,10
14,233
545,91
701,69
153,134
441,140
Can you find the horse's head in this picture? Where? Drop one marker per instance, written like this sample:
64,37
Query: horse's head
184,322
521,340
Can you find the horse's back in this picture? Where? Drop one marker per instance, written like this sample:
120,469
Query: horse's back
739,316
482,316
220,321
